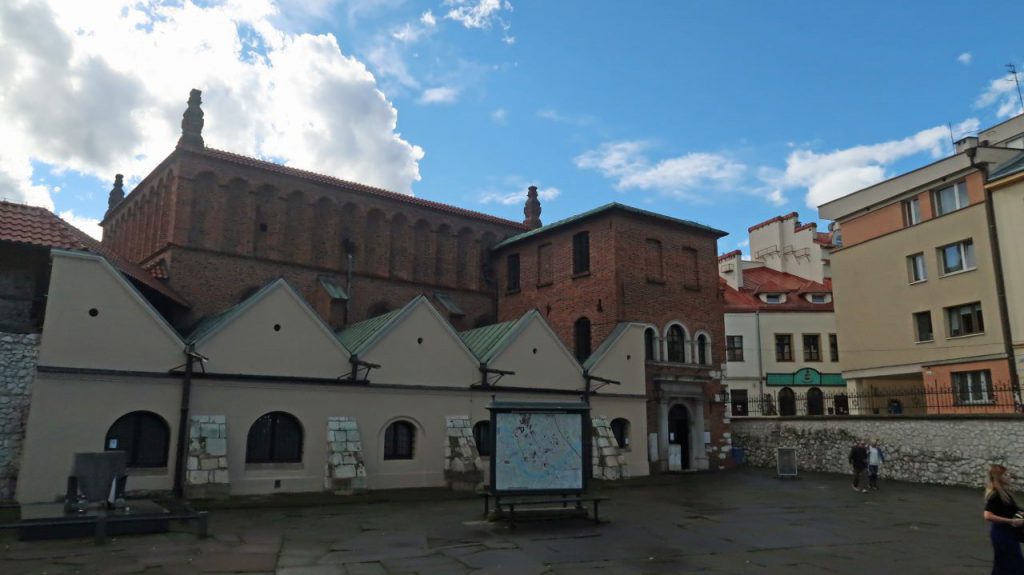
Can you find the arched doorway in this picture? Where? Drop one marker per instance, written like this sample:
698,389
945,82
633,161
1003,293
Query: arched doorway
815,402
787,402
679,432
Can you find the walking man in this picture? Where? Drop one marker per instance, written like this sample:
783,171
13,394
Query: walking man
859,461
875,460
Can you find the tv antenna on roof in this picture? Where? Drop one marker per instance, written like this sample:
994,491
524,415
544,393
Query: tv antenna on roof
1013,70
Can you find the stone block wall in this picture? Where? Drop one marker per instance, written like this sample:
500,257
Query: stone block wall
950,450
207,467
463,468
345,472
607,459
18,354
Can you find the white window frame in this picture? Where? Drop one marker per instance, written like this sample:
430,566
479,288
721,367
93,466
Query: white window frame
954,315
912,211
819,298
916,268
769,297
965,248
971,382
960,199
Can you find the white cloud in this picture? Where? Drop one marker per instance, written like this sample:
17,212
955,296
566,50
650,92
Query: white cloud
410,33
743,244
428,19
477,13
682,177
1001,91
515,194
560,118
440,95
831,175
499,116
965,58
100,88
90,226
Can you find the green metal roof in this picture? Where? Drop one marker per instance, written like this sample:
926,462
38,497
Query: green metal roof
357,335
605,345
333,290
600,210
1012,166
482,340
212,323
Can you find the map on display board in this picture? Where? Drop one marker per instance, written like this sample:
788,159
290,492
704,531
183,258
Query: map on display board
537,451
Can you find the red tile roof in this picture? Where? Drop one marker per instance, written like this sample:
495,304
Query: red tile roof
332,181
790,215
35,226
730,255
761,280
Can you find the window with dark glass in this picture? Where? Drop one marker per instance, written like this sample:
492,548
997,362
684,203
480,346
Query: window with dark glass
738,398
512,272
274,438
581,330
399,440
957,257
911,212
783,347
544,272
923,326
676,343
482,437
950,198
833,347
964,319
650,344
787,402
815,402
812,347
703,351
620,429
581,253
973,387
143,436
734,348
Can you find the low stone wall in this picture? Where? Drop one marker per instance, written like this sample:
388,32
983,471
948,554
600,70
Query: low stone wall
345,471
18,353
207,457
950,450
607,459
463,468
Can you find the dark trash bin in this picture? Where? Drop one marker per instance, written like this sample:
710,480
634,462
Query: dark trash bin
739,455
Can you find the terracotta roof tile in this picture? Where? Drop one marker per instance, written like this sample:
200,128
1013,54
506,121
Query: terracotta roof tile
766,280
35,226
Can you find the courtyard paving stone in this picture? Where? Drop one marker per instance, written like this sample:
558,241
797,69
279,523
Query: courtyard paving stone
738,522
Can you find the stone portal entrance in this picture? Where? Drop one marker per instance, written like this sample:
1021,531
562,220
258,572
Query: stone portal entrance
679,433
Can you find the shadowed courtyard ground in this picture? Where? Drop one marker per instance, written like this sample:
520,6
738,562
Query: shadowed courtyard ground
739,522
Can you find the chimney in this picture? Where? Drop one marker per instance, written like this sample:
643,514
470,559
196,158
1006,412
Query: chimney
532,209
192,122
966,143
116,193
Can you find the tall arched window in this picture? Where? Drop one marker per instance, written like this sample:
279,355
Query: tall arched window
482,437
581,330
787,402
703,353
399,440
620,429
274,438
650,344
676,344
143,436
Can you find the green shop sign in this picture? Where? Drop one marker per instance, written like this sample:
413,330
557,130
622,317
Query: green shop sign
807,376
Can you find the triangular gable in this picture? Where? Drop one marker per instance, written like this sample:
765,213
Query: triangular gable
537,356
95,319
416,346
621,358
274,332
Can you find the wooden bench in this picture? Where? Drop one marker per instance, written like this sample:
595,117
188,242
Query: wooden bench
541,506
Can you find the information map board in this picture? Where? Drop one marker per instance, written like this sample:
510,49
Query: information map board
539,447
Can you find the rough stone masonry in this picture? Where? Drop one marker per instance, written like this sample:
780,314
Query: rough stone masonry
18,354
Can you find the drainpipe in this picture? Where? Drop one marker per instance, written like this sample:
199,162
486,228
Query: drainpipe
186,394
997,265
348,287
760,362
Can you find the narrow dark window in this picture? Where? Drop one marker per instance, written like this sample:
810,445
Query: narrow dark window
650,344
581,329
676,344
274,438
923,326
703,355
787,402
653,262
399,439
482,437
513,272
812,347
833,347
620,429
581,253
143,436
783,347
734,348
815,402
740,406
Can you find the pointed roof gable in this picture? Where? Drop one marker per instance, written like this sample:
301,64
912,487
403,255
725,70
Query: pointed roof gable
360,335
482,340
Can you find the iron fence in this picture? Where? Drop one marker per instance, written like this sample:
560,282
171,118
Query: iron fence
963,396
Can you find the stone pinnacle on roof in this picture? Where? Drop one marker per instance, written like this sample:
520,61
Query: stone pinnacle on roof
532,209
116,193
192,122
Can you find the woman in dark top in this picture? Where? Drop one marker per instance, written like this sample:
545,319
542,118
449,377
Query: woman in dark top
1000,509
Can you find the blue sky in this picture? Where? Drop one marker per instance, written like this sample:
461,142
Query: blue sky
726,113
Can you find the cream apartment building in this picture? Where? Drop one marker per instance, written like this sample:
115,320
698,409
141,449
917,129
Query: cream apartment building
917,282
781,342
